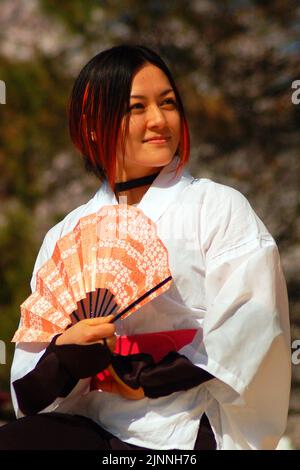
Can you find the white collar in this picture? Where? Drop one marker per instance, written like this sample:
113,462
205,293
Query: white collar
162,192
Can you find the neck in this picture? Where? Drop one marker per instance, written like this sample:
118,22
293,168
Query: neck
133,196
134,189
136,182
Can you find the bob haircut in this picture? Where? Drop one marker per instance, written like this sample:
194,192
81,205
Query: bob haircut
99,100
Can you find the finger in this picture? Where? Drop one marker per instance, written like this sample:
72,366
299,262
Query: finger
107,330
97,321
101,331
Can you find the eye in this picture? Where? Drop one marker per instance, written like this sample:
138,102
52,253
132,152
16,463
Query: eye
167,101
134,106
170,101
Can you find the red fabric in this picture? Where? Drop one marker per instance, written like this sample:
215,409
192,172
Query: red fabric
157,344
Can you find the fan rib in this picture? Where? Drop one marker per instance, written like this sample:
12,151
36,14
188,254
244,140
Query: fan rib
91,305
113,308
83,309
103,300
76,316
104,314
97,300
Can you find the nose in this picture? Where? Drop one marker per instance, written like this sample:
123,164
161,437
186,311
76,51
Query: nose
156,117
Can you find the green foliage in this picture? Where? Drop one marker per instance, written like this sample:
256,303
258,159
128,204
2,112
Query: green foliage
32,125
75,14
16,261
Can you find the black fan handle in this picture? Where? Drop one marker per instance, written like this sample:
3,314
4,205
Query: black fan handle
120,314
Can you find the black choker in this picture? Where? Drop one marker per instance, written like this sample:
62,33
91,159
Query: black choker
136,183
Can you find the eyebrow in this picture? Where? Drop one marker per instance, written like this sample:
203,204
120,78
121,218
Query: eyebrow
161,94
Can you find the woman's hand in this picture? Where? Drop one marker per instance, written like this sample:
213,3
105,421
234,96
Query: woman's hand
90,331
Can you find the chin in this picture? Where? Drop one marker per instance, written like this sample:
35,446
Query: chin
152,160
159,161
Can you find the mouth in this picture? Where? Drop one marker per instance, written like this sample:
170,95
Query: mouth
163,140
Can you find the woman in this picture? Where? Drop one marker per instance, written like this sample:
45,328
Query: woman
226,389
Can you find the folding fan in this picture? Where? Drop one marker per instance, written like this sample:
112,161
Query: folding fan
111,262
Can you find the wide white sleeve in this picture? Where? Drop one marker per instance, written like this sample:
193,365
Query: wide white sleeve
245,341
27,355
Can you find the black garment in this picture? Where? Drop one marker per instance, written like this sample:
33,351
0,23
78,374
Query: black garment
57,373
57,431
173,373
60,368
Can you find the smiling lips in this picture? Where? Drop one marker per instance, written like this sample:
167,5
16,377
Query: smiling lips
157,140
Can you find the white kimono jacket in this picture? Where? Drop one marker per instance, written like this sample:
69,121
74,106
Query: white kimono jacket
227,283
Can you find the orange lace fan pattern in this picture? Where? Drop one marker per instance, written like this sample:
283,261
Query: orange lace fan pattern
112,262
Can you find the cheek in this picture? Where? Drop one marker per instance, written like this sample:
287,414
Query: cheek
136,127
174,122
176,128
135,133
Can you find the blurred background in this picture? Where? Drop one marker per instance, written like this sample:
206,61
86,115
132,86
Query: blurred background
234,62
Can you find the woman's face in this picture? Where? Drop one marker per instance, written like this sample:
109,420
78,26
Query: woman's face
152,114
